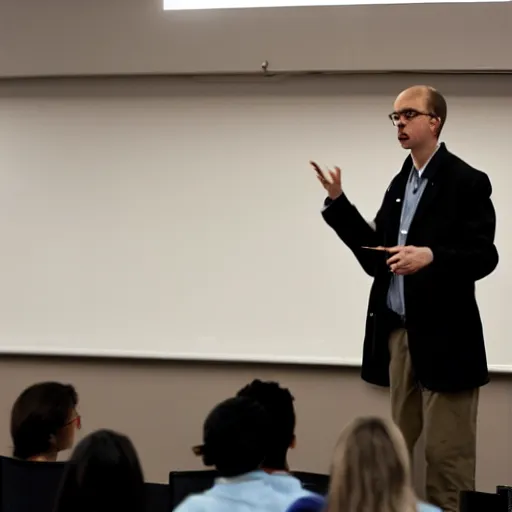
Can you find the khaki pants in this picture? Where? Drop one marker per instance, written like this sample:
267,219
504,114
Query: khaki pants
450,427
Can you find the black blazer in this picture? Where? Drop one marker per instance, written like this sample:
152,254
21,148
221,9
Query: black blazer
457,220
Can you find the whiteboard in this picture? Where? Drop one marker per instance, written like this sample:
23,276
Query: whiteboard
163,218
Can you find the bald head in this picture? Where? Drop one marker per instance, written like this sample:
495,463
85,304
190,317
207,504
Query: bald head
417,90
427,99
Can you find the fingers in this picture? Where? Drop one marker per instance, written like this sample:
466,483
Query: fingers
330,177
322,180
316,167
319,174
405,271
398,268
394,259
397,263
402,267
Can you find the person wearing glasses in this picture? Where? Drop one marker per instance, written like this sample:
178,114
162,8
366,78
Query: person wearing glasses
44,419
431,240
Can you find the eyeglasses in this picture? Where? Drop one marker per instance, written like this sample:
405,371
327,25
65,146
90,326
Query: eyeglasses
78,420
198,450
408,114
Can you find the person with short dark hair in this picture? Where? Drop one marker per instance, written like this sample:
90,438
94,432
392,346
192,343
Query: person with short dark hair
102,475
43,421
278,403
235,440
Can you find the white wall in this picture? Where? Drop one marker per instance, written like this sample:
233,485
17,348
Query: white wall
110,37
178,219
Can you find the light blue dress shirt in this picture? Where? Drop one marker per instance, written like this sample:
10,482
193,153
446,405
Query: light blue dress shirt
251,492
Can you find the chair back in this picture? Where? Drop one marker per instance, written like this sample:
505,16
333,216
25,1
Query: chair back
27,486
474,501
185,483
506,492
314,482
157,497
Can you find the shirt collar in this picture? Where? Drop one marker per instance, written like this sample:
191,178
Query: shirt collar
420,171
247,477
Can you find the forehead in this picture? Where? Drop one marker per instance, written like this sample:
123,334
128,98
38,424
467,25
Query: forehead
411,99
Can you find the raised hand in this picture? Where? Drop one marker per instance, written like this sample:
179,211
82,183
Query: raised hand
330,180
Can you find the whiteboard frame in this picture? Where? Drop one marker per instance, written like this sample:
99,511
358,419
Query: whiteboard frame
270,360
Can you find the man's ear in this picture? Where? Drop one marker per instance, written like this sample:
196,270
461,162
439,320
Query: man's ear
435,122
293,444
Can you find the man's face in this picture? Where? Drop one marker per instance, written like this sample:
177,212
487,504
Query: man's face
416,128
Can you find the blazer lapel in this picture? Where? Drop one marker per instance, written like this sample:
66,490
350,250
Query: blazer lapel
396,198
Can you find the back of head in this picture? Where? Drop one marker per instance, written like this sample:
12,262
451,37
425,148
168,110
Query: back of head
37,417
278,402
370,470
436,103
235,437
103,475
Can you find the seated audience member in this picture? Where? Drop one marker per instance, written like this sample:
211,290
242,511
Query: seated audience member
370,472
43,421
102,475
235,437
278,402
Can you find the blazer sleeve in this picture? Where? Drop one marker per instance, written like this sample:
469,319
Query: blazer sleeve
350,226
473,254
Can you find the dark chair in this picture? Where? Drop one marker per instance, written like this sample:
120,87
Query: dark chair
473,501
157,497
27,486
314,482
184,483
506,492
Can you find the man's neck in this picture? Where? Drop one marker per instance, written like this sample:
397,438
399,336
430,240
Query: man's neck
420,156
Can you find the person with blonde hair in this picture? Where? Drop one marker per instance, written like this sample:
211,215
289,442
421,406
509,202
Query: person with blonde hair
370,472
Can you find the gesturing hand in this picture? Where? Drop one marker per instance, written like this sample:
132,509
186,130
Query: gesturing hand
331,180
408,259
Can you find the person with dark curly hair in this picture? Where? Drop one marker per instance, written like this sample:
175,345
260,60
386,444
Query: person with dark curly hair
235,441
278,403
